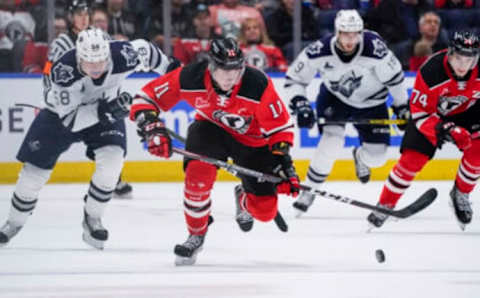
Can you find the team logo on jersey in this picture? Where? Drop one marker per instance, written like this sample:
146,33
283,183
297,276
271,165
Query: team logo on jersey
348,83
131,57
256,58
314,49
236,122
200,102
446,104
379,48
328,66
62,73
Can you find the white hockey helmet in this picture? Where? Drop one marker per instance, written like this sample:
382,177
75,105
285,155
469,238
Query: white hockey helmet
93,45
348,20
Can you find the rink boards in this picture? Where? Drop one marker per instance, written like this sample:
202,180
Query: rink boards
73,166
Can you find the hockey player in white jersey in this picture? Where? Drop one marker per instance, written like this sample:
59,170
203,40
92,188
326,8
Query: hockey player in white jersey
357,72
79,20
83,103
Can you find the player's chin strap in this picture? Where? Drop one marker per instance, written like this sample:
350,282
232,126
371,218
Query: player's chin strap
418,205
279,220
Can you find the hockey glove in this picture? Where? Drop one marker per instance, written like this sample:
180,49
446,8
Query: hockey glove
301,107
153,132
403,113
448,131
115,109
283,167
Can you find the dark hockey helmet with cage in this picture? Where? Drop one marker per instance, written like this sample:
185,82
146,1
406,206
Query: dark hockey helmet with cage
465,43
78,5
225,53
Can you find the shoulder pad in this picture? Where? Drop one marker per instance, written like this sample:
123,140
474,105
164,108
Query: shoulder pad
373,45
65,71
319,48
191,76
124,56
254,83
433,71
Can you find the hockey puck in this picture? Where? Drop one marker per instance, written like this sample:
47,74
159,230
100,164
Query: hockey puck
380,255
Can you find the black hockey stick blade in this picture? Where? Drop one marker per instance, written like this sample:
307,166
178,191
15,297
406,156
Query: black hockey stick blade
418,205
280,222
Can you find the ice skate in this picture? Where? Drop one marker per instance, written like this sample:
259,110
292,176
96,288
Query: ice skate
187,252
7,232
461,207
123,190
243,218
361,169
304,201
94,234
377,219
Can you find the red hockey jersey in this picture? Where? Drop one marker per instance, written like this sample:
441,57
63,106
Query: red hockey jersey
264,57
254,114
437,94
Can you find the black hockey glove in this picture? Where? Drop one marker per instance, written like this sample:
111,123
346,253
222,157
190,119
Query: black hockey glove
153,132
403,113
283,167
301,107
115,109
448,131
174,64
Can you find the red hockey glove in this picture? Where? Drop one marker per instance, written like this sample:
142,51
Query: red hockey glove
283,167
153,131
448,131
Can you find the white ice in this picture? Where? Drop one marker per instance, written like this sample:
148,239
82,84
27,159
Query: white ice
326,253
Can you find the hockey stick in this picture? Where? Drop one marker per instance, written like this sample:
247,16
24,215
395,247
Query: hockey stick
279,220
323,121
418,205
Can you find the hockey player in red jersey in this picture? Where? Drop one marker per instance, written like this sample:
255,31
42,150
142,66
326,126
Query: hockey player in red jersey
444,107
239,115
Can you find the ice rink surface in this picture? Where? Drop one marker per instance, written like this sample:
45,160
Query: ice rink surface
326,253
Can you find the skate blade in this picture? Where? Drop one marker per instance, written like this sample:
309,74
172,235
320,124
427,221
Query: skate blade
299,213
187,261
98,244
461,225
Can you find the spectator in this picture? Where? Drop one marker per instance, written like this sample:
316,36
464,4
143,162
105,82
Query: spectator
99,19
16,28
280,27
180,20
60,25
189,50
397,22
431,40
228,16
258,49
122,24
452,4
35,53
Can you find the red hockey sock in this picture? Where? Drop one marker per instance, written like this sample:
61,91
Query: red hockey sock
469,169
402,174
263,208
199,179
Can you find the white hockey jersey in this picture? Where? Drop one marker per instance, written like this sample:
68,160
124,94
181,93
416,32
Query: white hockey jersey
361,83
74,96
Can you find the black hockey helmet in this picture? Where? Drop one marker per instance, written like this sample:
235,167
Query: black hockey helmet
78,5
465,43
226,54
